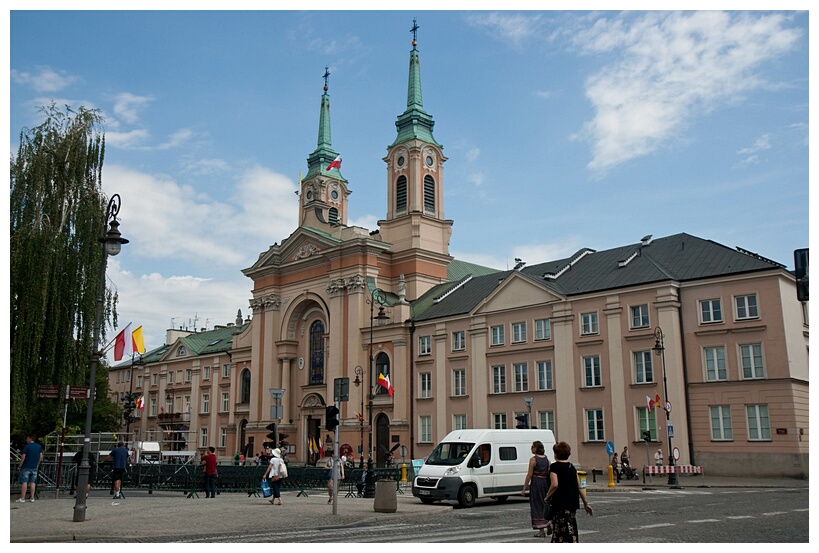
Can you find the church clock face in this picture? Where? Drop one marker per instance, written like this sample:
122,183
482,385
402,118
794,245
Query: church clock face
400,161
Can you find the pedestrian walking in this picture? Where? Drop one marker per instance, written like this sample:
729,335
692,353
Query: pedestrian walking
119,456
565,495
273,472
29,465
328,466
211,472
537,480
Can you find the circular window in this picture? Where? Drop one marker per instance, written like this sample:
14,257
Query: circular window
400,161
429,161
309,194
334,194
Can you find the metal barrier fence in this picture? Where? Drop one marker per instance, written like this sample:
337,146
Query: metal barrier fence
187,478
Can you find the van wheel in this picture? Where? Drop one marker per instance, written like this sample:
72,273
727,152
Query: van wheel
466,497
427,500
501,498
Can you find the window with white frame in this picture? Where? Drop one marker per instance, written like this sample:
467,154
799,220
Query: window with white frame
546,420
588,323
206,373
715,368
188,373
499,379
459,422
203,437
595,431
459,382
226,370
499,421
154,379
643,372
225,407
205,403
639,316
458,341
521,377
746,307
518,332
543,329
152,407
545,378
721,425
759,425
223,437
498,335
139,382
425,385
750,356
647,421
426,429
424,345
171,376
591,369
711,311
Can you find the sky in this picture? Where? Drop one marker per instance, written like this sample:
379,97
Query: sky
563,130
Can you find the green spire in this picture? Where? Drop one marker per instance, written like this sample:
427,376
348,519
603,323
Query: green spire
414,123
324,154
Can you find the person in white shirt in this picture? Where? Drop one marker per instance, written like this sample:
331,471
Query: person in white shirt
658,457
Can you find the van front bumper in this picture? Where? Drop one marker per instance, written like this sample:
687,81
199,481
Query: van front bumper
437,488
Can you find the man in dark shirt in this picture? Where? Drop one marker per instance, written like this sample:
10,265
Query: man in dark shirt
209,461
119,456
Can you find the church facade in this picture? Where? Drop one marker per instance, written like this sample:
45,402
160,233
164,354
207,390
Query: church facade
703,347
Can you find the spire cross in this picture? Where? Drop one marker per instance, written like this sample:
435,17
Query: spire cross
326,76
414,32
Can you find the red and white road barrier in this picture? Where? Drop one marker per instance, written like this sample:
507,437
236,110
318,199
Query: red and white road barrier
678,469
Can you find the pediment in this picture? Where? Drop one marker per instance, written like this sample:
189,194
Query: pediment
517,292
302,244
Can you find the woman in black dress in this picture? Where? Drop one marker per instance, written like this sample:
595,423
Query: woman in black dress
537,480
564,496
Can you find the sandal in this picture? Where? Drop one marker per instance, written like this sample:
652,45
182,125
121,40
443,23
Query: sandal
540,535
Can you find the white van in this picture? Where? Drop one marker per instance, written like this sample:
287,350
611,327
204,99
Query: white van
471,464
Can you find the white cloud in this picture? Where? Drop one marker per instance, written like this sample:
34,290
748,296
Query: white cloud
761,143
127,140
514,29
668,68
127,106
45,80
176,139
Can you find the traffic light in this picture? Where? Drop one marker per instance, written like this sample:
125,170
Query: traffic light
647,435
129,404
522,421
332,417
272,435
282,443
800,258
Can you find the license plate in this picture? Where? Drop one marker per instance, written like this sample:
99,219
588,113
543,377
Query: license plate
424,492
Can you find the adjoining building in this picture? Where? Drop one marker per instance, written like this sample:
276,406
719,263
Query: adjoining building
593,346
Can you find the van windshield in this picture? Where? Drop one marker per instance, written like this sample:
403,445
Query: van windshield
449,453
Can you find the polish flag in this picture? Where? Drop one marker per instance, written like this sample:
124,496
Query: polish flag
336,163
124,344
384,382
650,403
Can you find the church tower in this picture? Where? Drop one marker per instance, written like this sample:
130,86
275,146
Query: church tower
323,191
415,225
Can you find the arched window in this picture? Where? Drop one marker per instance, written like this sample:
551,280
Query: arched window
382,366
333,216
317,353
401,194
429,195
245,394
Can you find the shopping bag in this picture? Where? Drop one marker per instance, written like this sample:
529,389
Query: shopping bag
266,491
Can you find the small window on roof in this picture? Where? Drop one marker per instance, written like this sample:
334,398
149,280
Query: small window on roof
213,343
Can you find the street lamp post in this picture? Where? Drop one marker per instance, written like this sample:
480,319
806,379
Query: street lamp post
379,296
659,349
359,380
111,245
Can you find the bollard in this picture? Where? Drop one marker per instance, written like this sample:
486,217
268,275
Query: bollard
582,475
611,476
386,500
404,473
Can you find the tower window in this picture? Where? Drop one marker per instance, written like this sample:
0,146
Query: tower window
401,194
333,216
429,195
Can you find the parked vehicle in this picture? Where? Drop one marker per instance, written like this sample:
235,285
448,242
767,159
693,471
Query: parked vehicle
472,464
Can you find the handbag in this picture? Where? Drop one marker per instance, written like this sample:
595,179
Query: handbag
282,470
266,491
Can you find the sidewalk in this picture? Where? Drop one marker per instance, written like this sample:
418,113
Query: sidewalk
169,515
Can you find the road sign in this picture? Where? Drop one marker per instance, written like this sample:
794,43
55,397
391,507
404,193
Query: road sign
78,392
48,391
276,393
610,448
668,406
342,389
676,454
670,429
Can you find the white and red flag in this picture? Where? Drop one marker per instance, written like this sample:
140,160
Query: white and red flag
336,163
650,403
384,382
124,344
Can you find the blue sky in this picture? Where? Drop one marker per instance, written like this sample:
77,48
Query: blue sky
563,130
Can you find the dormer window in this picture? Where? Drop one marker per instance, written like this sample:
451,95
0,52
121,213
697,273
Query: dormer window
181,351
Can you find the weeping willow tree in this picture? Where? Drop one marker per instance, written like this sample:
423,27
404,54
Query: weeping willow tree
57,216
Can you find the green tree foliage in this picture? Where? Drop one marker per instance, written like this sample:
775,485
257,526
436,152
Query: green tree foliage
57,216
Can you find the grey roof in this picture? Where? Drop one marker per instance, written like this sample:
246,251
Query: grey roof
681,257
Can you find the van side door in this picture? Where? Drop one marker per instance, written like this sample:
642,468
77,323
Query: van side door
485,474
